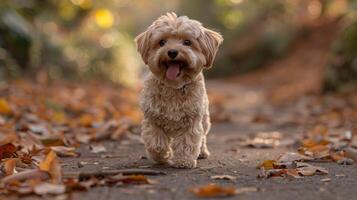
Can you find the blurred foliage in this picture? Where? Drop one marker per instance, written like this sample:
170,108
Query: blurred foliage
73,38
92,38
261,30
341,73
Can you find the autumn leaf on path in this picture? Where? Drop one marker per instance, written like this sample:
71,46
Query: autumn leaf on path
9,166
289,157
49,188
268,164
224,177
51,165
131,179
5,107
213,190
7,150
288,165
309,170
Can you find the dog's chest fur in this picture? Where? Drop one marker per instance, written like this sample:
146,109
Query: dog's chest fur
173,109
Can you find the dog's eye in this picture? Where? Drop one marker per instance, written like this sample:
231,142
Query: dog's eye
162,43
187,42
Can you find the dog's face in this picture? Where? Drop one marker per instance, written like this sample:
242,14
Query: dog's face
176,49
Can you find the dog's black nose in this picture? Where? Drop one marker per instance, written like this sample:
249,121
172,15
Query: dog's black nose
172,53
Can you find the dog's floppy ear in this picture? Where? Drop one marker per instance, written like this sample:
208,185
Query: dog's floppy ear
142,44
210,41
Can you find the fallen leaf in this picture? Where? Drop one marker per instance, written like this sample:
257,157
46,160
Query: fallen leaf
9,166
63,151
51,165
325,180
268,164
7,150
59,118
264,140
278,173
86,120
309,170
213,190
290,157
49,188
224,177
26,175
292,172
340,175
132,179
5,107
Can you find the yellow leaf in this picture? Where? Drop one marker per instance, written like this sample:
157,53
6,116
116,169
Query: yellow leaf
86,120
104,18
59,117
45,165
5,107
268,164
51,165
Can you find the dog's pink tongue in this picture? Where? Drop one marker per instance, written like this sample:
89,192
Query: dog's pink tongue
172,71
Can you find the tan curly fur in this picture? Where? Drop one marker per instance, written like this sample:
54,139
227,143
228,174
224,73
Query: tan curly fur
174,99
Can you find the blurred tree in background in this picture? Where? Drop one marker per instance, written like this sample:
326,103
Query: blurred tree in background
92,38
73,38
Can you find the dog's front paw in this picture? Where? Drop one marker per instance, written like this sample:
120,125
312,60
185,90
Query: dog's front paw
183,163
159,156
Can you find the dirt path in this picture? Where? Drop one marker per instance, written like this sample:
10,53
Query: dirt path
227,158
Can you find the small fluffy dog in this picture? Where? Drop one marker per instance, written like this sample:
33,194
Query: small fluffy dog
174,99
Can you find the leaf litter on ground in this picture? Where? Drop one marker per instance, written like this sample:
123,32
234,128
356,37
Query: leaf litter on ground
317,145
40,123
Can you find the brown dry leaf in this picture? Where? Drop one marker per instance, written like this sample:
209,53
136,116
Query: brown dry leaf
278,173
290,157
292,172
268,164
49,142
224,177
7,150
213,190
63,151
132,179
317,152
325,180
26,175
49,188
86,120
51,165
308,143
337,156
9,166
5,108
123,127
309,170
